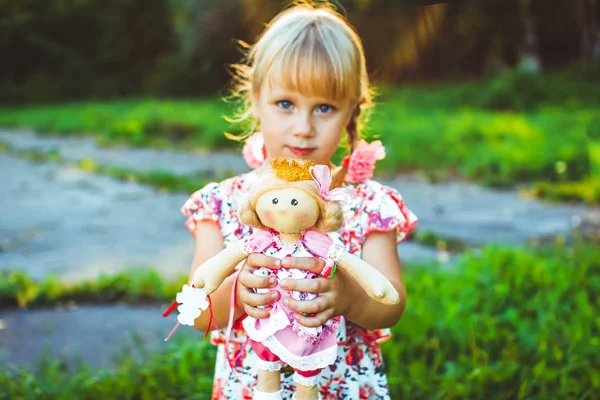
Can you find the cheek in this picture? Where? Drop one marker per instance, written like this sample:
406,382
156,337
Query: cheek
268,217
333,134
272,135
302,218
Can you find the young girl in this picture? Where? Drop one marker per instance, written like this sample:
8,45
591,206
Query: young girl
304,83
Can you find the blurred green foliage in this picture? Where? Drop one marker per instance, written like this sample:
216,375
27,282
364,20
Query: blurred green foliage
503,323
137,285
507,323
151,123
183,371
81,48
93,49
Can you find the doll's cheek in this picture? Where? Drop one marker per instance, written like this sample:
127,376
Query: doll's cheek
305,219
301,218
268,216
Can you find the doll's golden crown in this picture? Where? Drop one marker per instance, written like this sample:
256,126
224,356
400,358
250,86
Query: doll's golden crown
292,171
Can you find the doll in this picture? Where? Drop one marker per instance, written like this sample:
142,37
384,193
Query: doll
291,210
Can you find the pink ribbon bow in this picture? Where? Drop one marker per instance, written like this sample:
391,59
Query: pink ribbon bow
322,175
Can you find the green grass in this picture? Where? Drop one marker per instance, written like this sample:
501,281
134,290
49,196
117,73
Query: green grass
162,180
137,122
504,323
135,286
493,148
587,190
182,372
512,129
508,323
442,243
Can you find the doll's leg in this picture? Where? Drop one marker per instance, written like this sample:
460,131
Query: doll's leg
268,386
306,385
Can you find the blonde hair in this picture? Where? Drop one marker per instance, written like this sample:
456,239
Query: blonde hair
309,49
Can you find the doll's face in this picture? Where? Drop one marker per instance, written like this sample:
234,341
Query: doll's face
288,210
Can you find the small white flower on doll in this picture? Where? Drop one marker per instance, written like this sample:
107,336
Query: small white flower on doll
191,300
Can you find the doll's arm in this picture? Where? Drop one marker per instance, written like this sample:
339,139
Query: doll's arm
372,281
211,274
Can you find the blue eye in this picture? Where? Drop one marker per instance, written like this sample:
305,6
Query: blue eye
325,108
285,104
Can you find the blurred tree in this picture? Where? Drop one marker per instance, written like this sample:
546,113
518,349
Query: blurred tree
76,48
397,38
529,54
589,16
68,49
207,32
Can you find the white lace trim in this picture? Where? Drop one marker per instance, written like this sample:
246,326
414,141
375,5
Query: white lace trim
276,322
335,252
323,331
245,247
306,381
268,365
310,362
258,395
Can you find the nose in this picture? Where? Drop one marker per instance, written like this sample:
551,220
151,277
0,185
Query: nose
304,126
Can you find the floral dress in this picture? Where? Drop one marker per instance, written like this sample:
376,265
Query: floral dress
359,372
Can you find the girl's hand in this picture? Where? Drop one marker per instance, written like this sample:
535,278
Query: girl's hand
247,298
328,304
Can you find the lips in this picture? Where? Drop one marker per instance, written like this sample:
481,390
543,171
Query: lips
301,151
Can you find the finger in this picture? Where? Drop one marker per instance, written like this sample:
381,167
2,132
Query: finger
252,281
315,285
257,260
311,264
258,313
315,321
258,299
315,306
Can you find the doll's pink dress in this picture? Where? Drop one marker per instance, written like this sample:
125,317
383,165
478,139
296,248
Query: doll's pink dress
302,348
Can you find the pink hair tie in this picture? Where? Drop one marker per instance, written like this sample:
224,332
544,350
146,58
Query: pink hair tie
254,152
361,163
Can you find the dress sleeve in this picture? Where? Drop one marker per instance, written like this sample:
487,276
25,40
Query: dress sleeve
384,210
203,204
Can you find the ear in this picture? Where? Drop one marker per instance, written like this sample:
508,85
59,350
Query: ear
249,217
332,219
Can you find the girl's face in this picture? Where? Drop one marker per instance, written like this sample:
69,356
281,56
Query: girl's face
300,126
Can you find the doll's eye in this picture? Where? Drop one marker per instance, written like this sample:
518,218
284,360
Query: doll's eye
294,202
275,200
